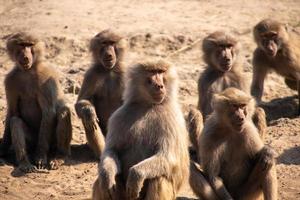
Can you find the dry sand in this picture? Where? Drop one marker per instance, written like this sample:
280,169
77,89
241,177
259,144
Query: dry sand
154,29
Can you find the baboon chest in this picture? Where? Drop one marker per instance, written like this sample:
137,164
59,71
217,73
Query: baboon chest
28,105
108,97
226,81
236,165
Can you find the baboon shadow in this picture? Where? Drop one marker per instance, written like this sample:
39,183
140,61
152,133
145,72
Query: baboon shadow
286,107
81,153
290,156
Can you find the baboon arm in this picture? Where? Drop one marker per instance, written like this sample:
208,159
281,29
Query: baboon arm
254,181
87,91
203,102
89,85
219,187
47,99
153,167
260,71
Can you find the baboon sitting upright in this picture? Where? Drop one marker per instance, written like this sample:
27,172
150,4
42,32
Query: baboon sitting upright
38,121
102,88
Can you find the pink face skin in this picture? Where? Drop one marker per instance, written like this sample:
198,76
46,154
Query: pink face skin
156,87
24,56
237,115
108,57
224,57
269,42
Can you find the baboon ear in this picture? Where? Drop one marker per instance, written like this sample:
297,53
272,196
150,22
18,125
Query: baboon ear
94,44
218,100
209,41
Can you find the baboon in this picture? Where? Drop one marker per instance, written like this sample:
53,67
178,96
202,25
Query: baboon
276,50
102,87
224,69
146,151
38,122
234,159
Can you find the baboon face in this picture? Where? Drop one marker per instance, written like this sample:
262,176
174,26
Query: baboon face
237,114
155,87
223,57
270,35
107,55
24,55
270,43
235,107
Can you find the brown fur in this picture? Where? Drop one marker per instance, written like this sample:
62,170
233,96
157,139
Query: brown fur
102,88
146,148
214,79
234,159
37,117
280,52
194,125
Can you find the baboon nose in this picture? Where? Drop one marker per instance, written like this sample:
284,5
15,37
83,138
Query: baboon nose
159,87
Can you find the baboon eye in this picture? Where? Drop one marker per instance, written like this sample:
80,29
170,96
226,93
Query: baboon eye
229,46
149,81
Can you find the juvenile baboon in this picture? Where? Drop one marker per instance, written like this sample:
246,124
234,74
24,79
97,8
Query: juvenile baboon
38,121
146,151
224,69
276,50
102,87
234,159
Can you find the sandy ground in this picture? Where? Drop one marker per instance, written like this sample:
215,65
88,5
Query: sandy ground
153,29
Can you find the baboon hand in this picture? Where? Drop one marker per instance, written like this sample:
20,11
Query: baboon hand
134,183
88,112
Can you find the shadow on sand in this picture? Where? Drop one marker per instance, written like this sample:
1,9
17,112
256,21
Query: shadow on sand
290,156
286,107
80,153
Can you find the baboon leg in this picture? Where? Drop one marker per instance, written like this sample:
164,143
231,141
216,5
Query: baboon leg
291,83
116,194
294,85
195,126
199,184
18,134
63,137
259,119
64,130
160,189
264,190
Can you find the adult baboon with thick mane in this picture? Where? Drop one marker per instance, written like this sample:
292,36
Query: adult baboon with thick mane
146,153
